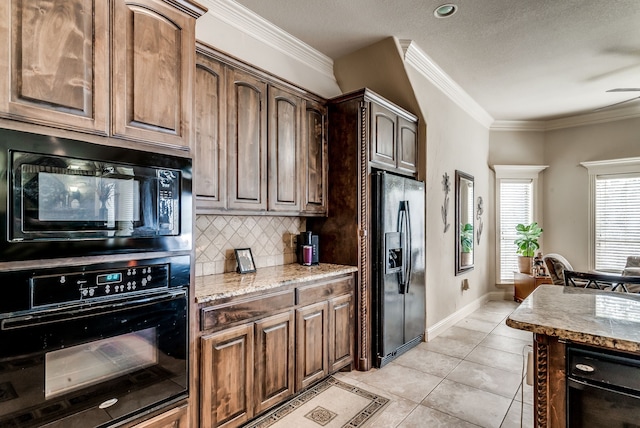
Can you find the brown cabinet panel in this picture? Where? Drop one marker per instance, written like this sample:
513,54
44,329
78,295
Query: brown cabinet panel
314,293
314,157
407,145
152,76
51,75
210,151
174,418
383,135
244,310
247,142
285,117
311,344
227,377
274,358
340,332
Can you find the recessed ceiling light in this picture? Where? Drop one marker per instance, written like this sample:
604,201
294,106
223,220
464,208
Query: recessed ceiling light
445,11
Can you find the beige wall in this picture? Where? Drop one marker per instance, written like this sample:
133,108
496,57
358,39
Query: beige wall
455,141
566,188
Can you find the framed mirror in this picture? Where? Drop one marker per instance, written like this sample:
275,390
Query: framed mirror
464,222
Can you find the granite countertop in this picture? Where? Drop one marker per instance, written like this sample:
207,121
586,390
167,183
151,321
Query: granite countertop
215,287
589,316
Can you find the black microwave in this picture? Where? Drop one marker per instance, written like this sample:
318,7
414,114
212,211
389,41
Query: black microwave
68,198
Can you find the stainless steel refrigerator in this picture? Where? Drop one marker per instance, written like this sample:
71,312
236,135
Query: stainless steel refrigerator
399,265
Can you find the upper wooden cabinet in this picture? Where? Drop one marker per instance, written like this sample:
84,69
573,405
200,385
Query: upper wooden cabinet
387,133
273,148
247,141
210,148
285,127
393,136
384,136
52,73
115,67
152,49
314,158
407,152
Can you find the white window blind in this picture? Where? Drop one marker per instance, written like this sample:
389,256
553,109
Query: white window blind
617,220
516,206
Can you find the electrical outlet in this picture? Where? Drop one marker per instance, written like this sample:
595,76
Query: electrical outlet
293,240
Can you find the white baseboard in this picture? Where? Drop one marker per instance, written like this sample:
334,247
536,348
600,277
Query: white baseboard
454,318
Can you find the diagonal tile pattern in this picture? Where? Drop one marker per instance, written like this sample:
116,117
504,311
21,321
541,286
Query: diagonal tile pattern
469,376
268,237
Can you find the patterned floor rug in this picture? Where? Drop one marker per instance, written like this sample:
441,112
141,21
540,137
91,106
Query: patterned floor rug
329,404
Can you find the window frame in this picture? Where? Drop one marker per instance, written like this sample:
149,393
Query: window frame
516,172
609,167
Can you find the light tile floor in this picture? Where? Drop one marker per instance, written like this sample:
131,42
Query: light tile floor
469,376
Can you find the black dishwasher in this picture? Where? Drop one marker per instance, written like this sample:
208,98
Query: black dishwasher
603,388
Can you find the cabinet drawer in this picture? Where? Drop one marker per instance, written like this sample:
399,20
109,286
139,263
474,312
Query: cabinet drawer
322,291
225,315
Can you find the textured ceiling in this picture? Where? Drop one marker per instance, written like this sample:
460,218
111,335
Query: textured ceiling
519,59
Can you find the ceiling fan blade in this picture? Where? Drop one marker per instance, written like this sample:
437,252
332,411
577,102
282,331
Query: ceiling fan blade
617,104
624,90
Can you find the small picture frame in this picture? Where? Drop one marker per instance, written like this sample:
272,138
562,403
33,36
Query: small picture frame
244,258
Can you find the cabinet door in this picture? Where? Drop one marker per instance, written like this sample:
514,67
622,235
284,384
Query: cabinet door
311,344
274,376
246,141
54,63
210,151
174,418
340,332
407,145
383,136
285,117
314,154
227,377
152,75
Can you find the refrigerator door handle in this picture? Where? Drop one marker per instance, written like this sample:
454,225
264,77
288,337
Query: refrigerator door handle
405,229
403,249
408,246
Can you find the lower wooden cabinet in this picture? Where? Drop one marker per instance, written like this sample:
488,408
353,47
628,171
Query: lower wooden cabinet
312,344
174,418
340,332
227,377
275,351
274,363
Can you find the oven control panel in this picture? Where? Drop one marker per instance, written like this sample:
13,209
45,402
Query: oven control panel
75,287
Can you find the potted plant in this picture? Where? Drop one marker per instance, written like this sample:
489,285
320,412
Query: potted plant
466,244
527,243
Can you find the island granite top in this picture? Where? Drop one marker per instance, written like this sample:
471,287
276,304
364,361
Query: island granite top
589,316
210,288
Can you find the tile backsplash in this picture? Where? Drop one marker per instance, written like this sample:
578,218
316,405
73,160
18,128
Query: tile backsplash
268,237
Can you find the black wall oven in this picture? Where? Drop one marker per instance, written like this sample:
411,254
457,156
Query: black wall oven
67,198
95,345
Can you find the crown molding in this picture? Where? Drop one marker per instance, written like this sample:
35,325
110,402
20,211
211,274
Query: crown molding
518,171
416,57
264,31
567,122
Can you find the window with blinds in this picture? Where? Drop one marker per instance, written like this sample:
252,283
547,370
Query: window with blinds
617,220
515,206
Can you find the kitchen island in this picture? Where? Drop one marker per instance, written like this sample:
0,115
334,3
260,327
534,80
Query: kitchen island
559,316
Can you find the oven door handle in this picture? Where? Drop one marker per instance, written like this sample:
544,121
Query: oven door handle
580,385
68,314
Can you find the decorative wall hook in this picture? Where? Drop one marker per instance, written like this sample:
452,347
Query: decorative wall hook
479,211
444,210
